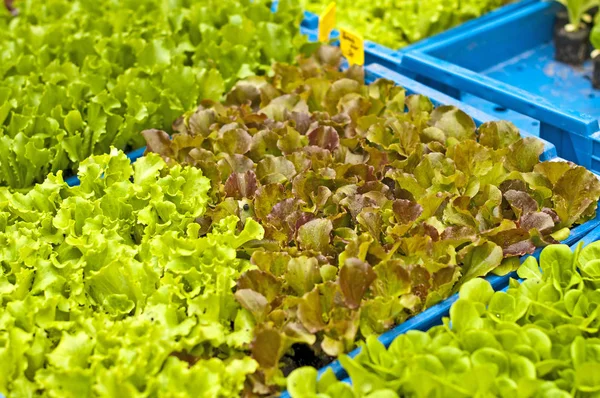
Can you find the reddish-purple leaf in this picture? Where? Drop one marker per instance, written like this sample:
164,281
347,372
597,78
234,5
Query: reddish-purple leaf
355,278
521,202
262,282
241,185
406,211
267,347
324,137
158,141
539,220
254,302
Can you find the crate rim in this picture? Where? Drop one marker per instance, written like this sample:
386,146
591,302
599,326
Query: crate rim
421,62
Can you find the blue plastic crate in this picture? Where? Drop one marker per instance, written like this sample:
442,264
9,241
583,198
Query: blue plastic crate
507,63
593,236
433,315
596,151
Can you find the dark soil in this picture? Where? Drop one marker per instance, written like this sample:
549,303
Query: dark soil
304,355
572,47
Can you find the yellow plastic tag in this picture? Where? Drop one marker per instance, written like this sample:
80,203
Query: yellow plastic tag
352,46
327,22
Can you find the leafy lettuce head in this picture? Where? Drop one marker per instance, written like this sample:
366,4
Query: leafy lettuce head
80,76
108,288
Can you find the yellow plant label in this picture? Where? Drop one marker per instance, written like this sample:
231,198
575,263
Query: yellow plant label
327,22
352,46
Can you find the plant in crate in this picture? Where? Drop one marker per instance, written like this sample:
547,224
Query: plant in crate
562,17
397,24
571,35
78,76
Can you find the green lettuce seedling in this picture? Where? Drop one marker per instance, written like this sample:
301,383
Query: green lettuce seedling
595,36
396,24
109,289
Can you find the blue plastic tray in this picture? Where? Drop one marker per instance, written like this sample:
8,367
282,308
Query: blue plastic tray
433,315
593,236
508,60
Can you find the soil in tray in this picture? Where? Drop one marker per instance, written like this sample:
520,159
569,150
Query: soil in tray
572,47
304,355
562,18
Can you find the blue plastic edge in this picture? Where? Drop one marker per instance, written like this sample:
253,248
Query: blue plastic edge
421,62
433,315
591,237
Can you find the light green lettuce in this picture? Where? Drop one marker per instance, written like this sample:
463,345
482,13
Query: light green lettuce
107,289
397,23
80,76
